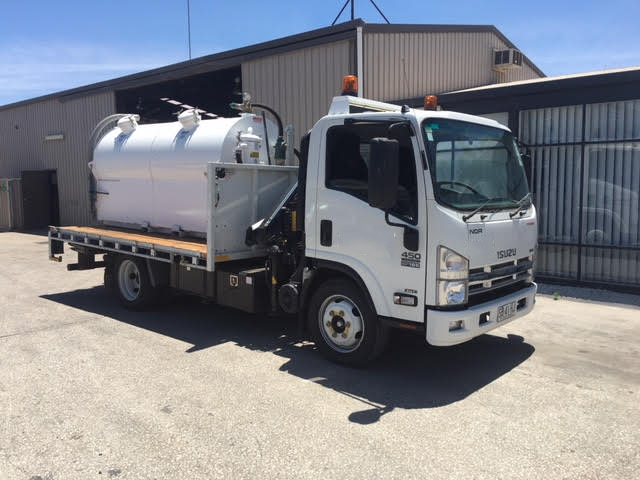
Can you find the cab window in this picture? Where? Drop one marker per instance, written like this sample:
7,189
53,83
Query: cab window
347,165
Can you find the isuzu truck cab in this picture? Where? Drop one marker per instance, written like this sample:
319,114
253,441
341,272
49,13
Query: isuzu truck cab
393,218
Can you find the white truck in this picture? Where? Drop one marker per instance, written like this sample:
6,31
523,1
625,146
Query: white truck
392,217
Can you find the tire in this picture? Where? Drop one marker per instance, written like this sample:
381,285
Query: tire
129,280
343,325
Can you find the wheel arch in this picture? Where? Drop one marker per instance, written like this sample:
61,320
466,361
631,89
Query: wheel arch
323,270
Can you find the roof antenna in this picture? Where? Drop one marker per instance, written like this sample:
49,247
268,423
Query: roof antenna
353,11
189,25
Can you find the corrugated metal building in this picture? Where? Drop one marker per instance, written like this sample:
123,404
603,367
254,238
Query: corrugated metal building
23,149
582,133
44,141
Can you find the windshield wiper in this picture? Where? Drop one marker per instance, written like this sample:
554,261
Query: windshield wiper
522,204
486,202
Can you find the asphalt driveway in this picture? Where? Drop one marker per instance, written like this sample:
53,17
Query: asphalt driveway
90,390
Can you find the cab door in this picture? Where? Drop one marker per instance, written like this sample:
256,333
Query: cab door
352,233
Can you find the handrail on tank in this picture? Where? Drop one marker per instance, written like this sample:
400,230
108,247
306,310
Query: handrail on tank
96,136
98,131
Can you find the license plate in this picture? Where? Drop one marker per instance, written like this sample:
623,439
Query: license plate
506,311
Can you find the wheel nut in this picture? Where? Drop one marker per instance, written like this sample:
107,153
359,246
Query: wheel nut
334,334
341,313
348,324
332,313
344,335
328,324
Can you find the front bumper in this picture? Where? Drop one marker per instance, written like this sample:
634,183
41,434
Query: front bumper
438,320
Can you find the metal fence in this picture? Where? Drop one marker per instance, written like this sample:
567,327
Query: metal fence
585,173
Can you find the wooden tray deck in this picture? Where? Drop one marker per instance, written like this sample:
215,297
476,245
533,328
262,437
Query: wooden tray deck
153,239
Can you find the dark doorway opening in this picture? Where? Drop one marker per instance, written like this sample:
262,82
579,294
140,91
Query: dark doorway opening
40,204
210,91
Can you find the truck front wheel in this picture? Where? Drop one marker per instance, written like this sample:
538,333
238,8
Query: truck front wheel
343,325
131,282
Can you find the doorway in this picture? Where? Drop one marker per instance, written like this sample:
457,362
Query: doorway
40,198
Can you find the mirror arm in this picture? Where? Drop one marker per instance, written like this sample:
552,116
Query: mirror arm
393,224
406,228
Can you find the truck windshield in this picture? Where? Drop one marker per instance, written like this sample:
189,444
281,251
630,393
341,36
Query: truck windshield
474,165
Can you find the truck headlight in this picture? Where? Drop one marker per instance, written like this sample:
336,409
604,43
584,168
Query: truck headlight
453,278
452,293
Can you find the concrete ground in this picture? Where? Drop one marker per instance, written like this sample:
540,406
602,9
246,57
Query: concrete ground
193,391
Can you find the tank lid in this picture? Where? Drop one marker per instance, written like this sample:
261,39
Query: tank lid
249,136
189,119
128,124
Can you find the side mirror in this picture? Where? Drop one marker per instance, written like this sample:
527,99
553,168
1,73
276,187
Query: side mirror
523,149
525,156
383,172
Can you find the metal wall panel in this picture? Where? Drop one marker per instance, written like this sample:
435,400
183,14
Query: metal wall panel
10,204
22,135
556,187
300,84
555,178
409,65
5,205
15,189
557,261
551,126
586,184
611,266
611,199
613,121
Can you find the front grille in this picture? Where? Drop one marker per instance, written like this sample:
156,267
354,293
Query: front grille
498,292
493,281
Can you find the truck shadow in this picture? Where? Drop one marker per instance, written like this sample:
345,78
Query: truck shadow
409,375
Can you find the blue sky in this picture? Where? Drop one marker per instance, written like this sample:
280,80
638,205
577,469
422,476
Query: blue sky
47,46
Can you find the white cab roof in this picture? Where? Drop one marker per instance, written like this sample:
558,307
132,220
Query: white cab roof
345,105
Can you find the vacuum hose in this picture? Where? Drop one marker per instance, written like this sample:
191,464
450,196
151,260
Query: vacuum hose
274,113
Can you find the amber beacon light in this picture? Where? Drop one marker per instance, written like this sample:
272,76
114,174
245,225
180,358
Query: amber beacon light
431,102
350,85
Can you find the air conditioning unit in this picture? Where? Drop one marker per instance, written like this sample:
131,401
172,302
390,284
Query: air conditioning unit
506,59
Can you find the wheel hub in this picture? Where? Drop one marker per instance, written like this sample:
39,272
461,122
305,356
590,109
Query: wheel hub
341,323
129,280
338,324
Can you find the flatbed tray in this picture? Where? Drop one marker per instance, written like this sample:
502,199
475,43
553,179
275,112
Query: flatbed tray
191,252
151,239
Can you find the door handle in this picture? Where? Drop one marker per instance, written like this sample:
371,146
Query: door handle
326,233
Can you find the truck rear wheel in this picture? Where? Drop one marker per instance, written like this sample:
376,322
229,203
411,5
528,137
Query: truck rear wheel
343,325
130,281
